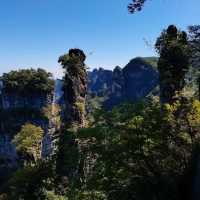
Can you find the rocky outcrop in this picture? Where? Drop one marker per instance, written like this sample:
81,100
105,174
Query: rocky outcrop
99,81
50,138
131,83
74,98
116,92
118,81
73,118
74,88
140,78
15,111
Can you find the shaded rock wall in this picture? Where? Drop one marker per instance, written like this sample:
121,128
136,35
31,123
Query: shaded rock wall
140,78
74,99
15,111
99,80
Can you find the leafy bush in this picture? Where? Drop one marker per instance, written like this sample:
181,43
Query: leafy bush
31,182
28,141
50,195
80,106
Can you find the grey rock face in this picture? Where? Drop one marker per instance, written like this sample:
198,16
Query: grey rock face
18,110
131,83
50,138
99,80
10,101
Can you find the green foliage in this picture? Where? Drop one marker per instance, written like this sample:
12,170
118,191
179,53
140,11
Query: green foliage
91,195
135,151
50,195
80,106
73,62
140,153
28,81
153,61
28,141
67,160
52,112
173,64
31,182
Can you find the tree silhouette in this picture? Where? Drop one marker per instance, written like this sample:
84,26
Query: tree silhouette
136,5
173,64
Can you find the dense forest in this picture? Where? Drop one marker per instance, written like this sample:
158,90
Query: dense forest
148,149
76,148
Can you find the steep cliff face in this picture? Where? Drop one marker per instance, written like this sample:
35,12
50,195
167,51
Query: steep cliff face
16,110
74,100
54,120
99,81
116,92
18,107
34,101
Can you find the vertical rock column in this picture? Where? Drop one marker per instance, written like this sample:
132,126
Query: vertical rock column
73,118
75,87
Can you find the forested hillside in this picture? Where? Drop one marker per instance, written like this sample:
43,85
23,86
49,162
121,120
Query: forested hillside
146,146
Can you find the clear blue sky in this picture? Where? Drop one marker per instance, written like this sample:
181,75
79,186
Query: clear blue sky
33,33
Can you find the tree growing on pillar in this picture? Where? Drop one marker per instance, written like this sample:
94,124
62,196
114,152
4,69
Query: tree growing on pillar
75,87
173,64
28,143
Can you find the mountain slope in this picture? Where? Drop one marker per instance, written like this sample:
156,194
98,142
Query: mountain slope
131,83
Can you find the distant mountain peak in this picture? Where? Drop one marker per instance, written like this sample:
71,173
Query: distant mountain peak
131,83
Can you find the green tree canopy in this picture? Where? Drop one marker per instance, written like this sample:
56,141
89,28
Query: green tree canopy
31,182
139,153
28,81
73,62
28,141
173,64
